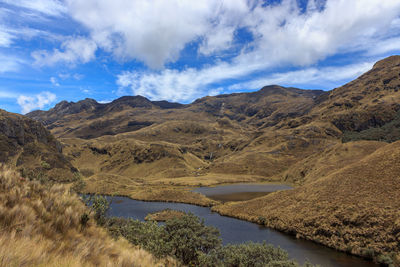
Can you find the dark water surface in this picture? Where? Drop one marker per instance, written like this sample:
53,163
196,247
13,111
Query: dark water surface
238,231
240,192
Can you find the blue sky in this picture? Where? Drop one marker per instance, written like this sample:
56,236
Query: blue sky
180,50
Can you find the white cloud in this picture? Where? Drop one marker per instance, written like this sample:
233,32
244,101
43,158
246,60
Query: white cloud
190,84
156,31
39,101
48,7
7,94
309,76
385,46
283,35
175,85
5,37
54,81
75,50
104,101
10,63
152,31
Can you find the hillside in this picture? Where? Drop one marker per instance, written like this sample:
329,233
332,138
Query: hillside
338,147
32,149
43,226
352,207
258,135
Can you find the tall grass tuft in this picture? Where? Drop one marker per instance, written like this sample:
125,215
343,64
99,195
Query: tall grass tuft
48,226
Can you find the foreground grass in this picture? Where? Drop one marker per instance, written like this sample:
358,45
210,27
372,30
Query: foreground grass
48,226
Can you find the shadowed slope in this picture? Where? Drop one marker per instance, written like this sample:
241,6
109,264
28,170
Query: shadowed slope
28,146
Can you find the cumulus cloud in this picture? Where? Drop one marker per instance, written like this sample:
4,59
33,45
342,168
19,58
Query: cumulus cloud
39,101
283,35
176,85
74,50
155,31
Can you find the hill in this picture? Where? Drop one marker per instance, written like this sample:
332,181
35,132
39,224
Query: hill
338,147
43,226
29,147
352,207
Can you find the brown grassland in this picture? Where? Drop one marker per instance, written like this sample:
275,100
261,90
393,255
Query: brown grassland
43,226
353,209
346,195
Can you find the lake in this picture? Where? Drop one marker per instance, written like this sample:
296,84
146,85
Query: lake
238,231
240,192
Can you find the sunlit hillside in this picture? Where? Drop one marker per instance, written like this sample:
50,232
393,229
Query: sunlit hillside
48,226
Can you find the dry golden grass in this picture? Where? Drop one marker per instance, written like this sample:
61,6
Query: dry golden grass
41,226
333,158
354,209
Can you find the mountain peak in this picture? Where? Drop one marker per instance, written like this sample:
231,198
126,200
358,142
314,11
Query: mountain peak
387,62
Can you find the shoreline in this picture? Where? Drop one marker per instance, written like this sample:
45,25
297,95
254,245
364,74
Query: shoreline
216,205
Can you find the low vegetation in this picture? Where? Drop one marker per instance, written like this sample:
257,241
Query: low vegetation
189,240
46,225
389,132
164,215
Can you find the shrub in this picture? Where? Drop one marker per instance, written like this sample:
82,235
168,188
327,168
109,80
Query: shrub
247,254
389,132
148,235
100,206
385,260
45,165
190,237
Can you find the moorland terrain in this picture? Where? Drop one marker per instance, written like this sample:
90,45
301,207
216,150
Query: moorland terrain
338,148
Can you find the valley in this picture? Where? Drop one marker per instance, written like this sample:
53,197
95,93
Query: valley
327,145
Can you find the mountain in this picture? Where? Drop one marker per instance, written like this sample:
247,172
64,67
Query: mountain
29,147
340,149
257,135
195,139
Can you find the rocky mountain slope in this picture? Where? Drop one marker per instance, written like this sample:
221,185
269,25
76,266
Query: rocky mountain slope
28,146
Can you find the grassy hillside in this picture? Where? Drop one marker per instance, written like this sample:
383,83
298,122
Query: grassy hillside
353,208
347,194
46,226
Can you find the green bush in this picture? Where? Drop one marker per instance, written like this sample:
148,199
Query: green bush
45,165
100,206
187,239
247,254
190,237
389,132
148,235
385,260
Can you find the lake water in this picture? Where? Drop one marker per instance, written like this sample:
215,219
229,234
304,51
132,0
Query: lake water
240,192
238,231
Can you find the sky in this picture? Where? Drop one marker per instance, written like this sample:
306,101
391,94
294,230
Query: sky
181,50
